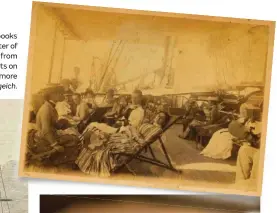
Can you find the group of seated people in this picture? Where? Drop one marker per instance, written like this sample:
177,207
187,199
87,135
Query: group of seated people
204,115
123,128
66,126
227,131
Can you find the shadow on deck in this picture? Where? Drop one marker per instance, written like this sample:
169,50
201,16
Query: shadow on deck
182,153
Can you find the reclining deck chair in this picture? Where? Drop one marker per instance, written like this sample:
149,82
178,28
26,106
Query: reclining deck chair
175,115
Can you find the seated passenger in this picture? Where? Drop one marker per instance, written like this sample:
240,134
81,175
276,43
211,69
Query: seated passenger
249,153
109,99
82,110
194,115
65,112
150,112
47,136
137,112
66,86
210,116
119,113
191,107
220,145
63,107
134,119
90,99
101,156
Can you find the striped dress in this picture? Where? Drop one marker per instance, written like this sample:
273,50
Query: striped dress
102,155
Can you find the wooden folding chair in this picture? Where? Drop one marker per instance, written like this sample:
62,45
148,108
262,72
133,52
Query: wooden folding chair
147,146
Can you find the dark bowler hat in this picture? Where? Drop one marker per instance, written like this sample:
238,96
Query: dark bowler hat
89,91
50,90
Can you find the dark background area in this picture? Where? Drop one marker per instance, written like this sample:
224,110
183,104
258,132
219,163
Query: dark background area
54,203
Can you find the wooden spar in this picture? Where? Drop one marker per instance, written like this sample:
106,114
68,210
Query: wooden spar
92,72
170,74
93,78
107,67
61,72
53,53
166,56
115,53
117,59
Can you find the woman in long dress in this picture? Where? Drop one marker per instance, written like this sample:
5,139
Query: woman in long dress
101,156
220,145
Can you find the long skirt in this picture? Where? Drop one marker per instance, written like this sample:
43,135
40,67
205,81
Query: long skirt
102,156
220,146
39,146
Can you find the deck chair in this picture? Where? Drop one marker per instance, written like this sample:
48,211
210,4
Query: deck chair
147,146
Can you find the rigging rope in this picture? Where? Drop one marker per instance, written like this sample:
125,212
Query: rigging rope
4,190
108,63
2,209
100,82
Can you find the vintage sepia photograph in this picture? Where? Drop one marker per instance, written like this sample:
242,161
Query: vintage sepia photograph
146,98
